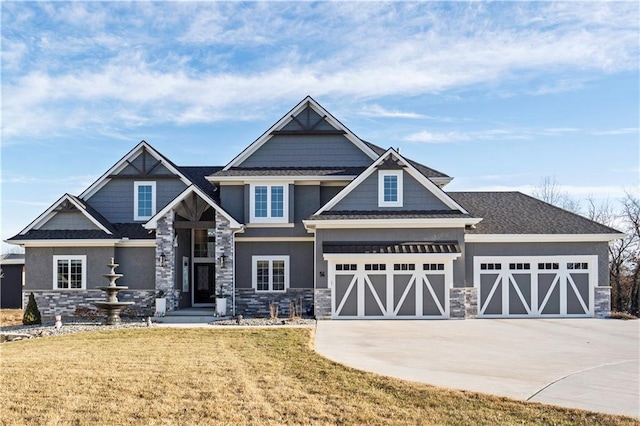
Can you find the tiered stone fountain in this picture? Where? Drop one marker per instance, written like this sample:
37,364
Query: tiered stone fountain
112,305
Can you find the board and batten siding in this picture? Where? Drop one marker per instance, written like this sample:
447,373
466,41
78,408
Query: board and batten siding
365,197
539,249
69,221
115,200
307,151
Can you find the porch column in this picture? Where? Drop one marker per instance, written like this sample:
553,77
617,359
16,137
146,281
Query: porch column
224,247
165,274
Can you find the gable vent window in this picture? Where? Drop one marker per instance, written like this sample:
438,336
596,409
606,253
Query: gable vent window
144,200
269,203
390,188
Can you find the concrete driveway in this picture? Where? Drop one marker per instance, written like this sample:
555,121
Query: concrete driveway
591,364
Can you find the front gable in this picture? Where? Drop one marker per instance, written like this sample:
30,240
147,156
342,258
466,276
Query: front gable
391,184
308,136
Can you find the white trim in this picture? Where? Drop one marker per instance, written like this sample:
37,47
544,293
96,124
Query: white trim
253,219
271,259
390,257
66,243
12,261
398,174
311,224
122,164
274,239
49,213
70,257
407,167
153,222
136,211
136,243
541,238
248,151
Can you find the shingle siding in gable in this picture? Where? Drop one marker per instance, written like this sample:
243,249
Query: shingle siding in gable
308,151
365,197
115,200
69,221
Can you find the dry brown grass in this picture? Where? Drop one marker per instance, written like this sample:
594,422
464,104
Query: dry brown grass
220,376
10,317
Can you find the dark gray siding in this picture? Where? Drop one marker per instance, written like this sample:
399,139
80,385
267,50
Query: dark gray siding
415,197
39,265
391,235
232,201
328,192
159,170
308,151
69,221
138,266
540,249
300,261
11,287
115,200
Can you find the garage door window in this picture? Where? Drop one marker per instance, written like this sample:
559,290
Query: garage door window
433,267
270,273
404,267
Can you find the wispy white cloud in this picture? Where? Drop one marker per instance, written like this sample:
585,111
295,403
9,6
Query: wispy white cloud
459,136
622,131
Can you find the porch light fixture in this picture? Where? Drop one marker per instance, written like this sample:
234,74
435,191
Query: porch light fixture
162,260
222,261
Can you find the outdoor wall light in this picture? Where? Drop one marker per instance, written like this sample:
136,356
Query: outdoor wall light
162,260
222,261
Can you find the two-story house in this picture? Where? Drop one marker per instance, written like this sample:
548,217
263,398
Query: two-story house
310,212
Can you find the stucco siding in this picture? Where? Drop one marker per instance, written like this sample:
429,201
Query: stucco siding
115,200
308,151
415,196
539,249
137,264
300,261
39,265
391,235
69,221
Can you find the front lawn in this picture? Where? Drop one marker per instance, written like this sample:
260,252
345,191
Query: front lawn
229,376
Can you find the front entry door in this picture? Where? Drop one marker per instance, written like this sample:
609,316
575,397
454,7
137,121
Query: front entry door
203,283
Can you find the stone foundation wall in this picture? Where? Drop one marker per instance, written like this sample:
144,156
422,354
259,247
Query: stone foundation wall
602,302
251,304
65,302
457,308
322,303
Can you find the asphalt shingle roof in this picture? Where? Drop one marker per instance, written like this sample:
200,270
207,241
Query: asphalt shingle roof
408,214
517,213
198,176
292,171
426,171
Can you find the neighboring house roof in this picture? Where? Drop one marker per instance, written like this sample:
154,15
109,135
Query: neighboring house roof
517,213
392,248
288,117
12,259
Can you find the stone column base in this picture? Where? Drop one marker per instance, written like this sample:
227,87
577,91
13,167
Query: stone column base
322,303
602,302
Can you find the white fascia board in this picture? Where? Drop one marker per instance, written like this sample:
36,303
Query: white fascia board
248,151
153,222
136,243
432,187
66,243
541,238
12,261
49,213
120,165
441,181
392,257
388,223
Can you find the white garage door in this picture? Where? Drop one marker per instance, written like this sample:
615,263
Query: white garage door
535,286
402,288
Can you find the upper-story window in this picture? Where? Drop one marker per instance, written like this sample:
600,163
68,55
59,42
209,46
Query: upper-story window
144,200
390,188
269,203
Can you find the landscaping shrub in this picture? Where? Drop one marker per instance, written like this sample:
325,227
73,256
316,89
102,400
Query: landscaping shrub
32,313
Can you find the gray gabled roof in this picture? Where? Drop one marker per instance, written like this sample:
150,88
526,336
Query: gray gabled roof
133,231
517,213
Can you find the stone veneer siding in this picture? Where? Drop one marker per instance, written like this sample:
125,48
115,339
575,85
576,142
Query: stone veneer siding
602,302
165,275
322,303
224,246
470,302
457,308
65,302
251,304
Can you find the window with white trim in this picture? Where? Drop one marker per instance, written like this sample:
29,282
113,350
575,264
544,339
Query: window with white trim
270,273
69,272
269,203
390,188
144,200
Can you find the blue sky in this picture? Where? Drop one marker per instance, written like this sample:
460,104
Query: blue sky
497,95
